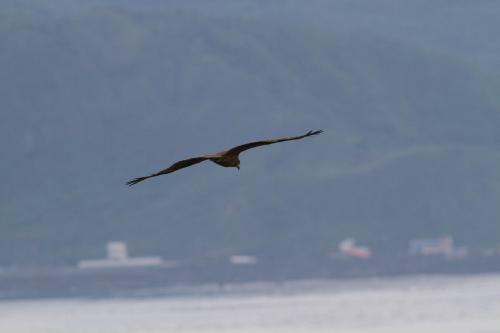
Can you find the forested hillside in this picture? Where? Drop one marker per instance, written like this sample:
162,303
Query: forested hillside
95,94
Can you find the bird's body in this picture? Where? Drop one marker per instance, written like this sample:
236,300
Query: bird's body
227,158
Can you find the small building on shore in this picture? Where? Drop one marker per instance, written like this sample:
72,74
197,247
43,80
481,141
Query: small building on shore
444,247
432,246
117,257
349,248
242,259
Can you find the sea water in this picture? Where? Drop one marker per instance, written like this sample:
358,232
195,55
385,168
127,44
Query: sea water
442,304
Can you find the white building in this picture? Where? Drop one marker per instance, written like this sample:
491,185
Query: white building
242,259
117,256
349,248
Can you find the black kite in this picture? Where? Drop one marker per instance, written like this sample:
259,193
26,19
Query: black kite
226,158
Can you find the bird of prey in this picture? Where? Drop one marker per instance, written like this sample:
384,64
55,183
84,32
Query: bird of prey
226,158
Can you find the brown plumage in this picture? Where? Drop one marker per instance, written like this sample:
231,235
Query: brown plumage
226,158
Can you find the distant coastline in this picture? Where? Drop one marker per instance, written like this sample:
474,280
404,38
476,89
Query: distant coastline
127,281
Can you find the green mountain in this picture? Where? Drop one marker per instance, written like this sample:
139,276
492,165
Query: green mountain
95,94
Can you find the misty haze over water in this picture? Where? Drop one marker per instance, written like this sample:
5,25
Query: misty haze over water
95,93
402,305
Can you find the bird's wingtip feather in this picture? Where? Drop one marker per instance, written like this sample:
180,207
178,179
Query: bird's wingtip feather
135,181
314,132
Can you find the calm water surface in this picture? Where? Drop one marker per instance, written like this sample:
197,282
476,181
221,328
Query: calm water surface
410,304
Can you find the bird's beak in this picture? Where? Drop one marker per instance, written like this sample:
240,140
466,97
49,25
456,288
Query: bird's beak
238,167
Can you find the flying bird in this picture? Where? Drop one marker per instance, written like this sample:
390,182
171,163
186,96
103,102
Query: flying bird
226,158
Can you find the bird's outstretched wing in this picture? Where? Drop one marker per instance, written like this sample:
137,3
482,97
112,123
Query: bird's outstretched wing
238,149
174,167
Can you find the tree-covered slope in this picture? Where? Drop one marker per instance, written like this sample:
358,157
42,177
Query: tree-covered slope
95,97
